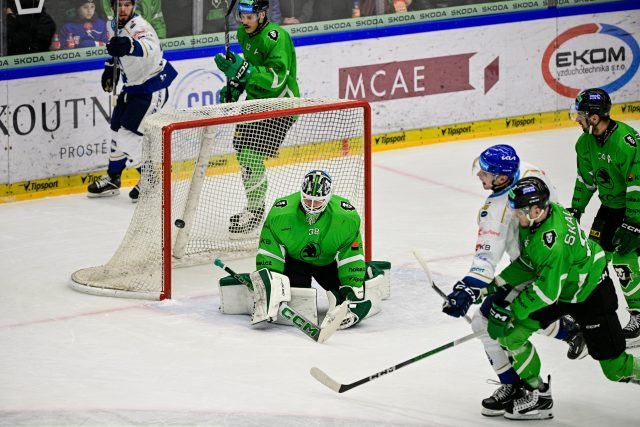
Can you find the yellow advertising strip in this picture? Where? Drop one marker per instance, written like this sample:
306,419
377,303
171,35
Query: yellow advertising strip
73,184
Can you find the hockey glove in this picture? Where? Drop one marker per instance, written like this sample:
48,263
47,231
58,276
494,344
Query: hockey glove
358,307
120,46
232,92
235,68
107,76
576,213
459,301
626,238
500,318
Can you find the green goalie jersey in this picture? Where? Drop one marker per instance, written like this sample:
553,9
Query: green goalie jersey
272,54
612,168
558,262
334,237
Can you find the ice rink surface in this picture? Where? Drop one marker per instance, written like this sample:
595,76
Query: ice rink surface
71,359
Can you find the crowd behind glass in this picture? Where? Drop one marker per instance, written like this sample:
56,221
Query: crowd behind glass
69,24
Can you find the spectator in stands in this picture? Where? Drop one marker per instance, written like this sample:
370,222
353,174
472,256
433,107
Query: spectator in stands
329,10
30,33
150,10
296,11
86,29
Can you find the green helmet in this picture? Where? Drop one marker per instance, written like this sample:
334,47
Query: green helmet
315,194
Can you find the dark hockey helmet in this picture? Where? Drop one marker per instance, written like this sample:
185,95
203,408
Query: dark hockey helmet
500,160
316,191
252,6
591,101
528,192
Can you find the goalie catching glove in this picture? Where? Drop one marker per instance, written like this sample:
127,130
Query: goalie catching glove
269,290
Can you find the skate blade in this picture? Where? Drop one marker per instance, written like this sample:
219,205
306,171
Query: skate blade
107,193
533,415
492,412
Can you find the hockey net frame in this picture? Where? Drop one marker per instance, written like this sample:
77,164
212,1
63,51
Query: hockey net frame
84,280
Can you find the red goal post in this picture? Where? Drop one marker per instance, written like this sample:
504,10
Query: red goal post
192,176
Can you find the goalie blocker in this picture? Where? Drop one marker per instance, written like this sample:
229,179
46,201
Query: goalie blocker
236,298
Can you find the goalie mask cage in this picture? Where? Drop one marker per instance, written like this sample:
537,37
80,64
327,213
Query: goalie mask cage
191,173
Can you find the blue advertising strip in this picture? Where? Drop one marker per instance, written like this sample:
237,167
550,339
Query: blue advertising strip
342,36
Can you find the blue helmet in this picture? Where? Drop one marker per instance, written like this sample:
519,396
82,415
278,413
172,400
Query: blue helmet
500,160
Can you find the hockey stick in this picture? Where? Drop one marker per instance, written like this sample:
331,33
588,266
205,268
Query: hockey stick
425,267
114,27
325,379
310,329
227,43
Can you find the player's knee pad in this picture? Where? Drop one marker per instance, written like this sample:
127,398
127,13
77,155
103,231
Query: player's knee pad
620,368
603,335
130,143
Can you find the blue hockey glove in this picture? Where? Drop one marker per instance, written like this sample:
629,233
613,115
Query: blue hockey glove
235,68
459,301
500,318
626,238
120,46
107,76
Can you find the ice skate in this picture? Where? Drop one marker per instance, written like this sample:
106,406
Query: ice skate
134,193
631,332
246,221
575,339
106,186
496,404
536,404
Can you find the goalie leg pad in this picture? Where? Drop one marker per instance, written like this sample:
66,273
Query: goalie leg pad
305,302
269,290
235,297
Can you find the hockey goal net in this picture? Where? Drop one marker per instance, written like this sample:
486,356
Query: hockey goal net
192,184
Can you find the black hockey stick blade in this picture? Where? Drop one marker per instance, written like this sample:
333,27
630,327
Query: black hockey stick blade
329,382
436,288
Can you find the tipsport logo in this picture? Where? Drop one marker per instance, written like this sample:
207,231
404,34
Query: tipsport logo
590,55
198,88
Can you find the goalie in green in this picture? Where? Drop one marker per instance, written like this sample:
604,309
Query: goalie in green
313,234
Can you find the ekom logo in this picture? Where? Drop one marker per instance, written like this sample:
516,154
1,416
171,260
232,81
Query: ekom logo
590,55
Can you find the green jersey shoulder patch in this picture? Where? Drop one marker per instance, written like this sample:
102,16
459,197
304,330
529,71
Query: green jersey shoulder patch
273,35
629,139
346,206
549,238
280,203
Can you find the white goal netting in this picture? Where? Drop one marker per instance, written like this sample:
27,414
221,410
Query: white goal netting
214,162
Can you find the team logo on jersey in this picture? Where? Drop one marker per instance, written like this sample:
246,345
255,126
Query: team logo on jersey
630,140
624,274
346,206
310,251
603,178
280,204
273,34
549,238
484,213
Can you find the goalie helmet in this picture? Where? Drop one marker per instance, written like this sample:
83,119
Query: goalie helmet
591,101
500,160
529,192
315,194
252,6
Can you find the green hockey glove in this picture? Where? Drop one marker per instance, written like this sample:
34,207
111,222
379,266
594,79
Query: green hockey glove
232,92
626,238
235,67
499,320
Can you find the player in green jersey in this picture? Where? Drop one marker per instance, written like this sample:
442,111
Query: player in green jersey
316,234
560,272
268,70
608,161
